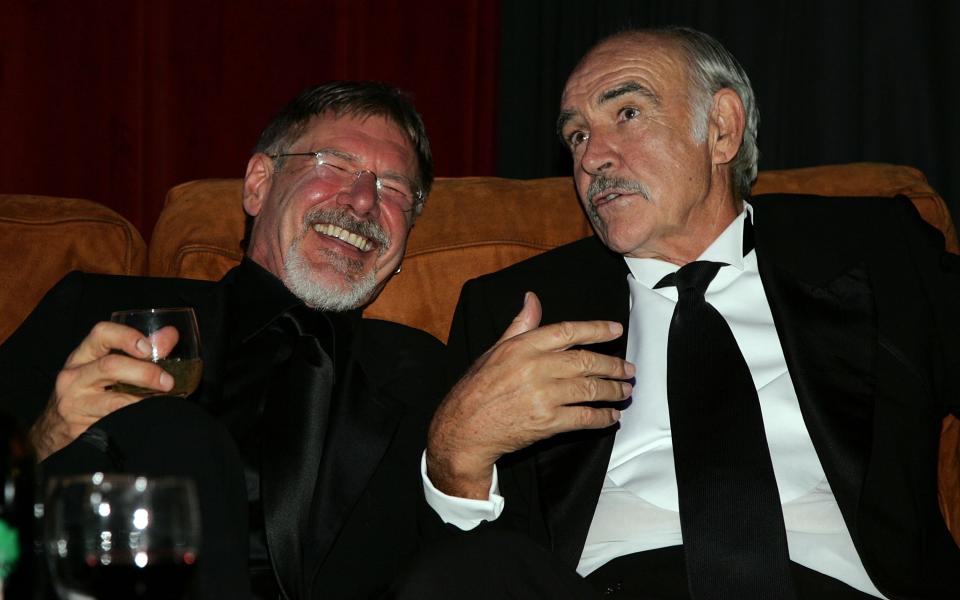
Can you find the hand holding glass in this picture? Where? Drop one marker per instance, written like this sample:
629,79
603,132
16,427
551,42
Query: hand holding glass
182,361
121,536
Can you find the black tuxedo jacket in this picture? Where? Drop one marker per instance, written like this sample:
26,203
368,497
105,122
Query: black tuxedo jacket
341,525
865,303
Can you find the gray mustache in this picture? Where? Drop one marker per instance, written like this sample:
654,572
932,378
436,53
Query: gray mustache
601,183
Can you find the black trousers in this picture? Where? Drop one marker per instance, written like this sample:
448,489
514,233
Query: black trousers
164,436
495,564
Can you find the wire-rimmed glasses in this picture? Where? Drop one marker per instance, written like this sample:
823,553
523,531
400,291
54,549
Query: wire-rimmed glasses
343,171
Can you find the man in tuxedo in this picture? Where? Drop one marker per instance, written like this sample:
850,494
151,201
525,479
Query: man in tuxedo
308,416
717,396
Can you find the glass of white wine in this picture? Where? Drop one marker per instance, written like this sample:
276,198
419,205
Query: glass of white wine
182,361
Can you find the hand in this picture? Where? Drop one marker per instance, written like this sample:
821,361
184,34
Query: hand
82,392
524,389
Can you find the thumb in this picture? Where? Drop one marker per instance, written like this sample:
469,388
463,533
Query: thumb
528,318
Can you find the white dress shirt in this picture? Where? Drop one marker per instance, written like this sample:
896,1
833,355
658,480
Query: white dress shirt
637,509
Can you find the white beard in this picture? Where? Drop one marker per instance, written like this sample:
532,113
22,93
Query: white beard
355,289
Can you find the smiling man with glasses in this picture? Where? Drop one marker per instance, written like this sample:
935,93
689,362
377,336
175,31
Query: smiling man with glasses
309,419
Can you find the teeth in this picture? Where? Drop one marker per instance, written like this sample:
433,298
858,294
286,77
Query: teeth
357,241
611,196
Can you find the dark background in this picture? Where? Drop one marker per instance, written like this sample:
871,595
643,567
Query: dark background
119,101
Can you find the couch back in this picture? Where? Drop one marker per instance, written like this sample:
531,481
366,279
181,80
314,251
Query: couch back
475,225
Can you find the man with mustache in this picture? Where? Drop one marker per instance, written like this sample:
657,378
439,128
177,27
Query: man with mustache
308,417
788,362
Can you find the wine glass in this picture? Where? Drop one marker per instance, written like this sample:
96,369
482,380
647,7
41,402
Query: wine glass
182,361
113,537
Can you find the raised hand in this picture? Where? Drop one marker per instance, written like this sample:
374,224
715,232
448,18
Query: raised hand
82,394
526,388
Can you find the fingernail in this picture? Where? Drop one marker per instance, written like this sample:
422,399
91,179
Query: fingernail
166,380
616,328
616,415
627,390
143,346
629,370
526,298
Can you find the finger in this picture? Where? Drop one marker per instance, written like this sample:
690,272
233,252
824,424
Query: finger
106,336
589,389
164,340
527,319
587,417
580,363
563,335
113,401
117,368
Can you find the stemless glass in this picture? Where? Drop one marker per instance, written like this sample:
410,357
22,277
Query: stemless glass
113,537
182,361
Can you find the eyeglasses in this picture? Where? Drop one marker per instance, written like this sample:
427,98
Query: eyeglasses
343,172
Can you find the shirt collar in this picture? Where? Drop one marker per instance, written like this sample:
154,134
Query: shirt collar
726,248
258,298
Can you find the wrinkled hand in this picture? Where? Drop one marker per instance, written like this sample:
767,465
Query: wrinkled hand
82,393
522,390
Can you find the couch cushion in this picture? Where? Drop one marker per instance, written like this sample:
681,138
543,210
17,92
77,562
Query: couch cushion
45,238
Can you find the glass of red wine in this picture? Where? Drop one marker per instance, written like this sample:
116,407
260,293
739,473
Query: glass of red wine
112,537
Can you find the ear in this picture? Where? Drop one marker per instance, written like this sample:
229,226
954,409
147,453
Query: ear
256,183
727,120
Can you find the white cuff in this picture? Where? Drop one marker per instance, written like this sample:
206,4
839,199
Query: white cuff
464,513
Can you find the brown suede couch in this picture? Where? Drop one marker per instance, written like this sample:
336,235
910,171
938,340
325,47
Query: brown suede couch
471,226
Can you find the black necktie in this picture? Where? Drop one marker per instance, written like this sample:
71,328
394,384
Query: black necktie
730,516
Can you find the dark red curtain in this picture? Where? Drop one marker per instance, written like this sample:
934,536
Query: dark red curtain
118,101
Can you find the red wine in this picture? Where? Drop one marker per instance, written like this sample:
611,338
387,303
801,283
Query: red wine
161,581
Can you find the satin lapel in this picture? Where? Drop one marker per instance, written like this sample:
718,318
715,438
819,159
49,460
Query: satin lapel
361,426
211,308
828,332
571,467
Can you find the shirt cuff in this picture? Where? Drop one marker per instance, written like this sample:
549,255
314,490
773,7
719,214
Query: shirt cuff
464,513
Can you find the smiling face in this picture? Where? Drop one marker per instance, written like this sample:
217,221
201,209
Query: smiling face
649,187
333,246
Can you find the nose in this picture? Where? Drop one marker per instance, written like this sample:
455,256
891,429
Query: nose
600,154
362,196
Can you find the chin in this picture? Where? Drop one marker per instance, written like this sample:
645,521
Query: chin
338,289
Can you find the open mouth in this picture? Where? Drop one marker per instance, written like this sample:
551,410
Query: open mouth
606,196
359,242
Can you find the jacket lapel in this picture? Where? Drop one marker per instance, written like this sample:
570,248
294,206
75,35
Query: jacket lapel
571,467
360,428
826,320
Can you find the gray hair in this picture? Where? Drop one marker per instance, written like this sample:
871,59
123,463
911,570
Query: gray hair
711,68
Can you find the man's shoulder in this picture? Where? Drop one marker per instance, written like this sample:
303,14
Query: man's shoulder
390,337
87,282
849,220
839,207
574,259
393,352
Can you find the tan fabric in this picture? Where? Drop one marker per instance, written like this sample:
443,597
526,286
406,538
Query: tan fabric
199,230
475,225
42,239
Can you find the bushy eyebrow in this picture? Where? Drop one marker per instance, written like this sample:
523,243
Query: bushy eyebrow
630,87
